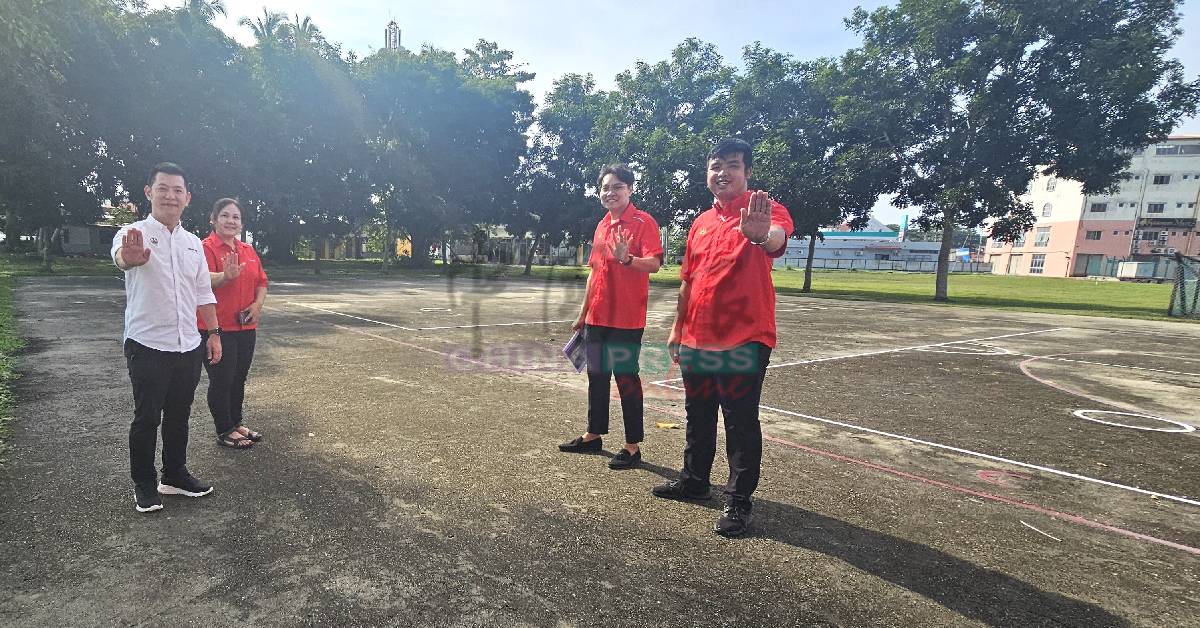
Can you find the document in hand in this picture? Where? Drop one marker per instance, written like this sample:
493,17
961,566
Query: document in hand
574,351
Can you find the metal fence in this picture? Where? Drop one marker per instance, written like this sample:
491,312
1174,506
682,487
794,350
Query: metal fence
908,266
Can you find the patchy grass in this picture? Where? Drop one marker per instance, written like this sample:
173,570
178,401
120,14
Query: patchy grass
10,344
30,265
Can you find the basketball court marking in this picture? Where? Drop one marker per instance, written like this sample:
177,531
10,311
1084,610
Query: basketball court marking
886,351
394,326
830,455
1086,415
976,454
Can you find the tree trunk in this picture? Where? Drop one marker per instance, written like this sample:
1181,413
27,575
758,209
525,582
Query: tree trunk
943,263
812,250
420,250
389,249
529,255
11,237
47,240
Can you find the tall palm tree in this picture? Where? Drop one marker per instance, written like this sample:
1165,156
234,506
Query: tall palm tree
204,10
268,28
304,32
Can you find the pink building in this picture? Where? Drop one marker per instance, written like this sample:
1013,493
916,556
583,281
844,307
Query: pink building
1155,212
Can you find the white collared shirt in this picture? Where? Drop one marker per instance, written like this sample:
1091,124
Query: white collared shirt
162,295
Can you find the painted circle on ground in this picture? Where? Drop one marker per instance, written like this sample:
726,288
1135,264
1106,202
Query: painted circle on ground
1183,427
967,349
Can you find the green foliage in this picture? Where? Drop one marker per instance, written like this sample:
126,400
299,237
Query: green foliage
954,104
975,98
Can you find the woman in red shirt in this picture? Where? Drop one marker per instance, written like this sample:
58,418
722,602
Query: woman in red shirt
240,285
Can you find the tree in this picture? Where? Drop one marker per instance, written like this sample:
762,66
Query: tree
825,172
976,98
552,202
435,167
269,29
660,120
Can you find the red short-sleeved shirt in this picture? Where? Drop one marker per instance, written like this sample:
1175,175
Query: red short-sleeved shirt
237,295
619,292
732,298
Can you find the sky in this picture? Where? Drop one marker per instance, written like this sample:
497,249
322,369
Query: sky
557,37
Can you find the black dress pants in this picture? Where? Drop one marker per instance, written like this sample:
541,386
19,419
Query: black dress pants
732,381
612,351
227,379
164,383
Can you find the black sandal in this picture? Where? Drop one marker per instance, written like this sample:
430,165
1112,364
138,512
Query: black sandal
252,435
241,442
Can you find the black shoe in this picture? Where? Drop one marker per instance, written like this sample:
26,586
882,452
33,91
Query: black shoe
145,498
679,490
624,459
735,519
184,484
579,446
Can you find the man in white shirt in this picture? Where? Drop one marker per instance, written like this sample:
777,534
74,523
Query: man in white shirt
166,284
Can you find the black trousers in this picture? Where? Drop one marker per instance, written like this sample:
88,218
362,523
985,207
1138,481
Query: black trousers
732,381
164,383
227,378
614,351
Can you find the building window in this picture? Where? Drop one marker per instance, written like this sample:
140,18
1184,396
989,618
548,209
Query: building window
1126,233
1155,208
1185,177
1020,241
1099,207
1051,183
1043,237
1095,235
1162,179
858,253
1178,205
1117,233
1037,263
1166,150
1191,205
1046,210
1133,205
1137,177
1120,204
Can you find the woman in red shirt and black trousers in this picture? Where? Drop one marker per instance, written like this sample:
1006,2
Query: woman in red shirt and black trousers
626,248
240,285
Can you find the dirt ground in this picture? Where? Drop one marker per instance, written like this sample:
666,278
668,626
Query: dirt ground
924,466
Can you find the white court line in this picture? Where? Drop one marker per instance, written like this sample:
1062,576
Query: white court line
1119,366
321,309
883,351
370,320
927,346
976,454
571,320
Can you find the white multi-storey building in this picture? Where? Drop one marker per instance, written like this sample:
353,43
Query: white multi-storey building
1156,211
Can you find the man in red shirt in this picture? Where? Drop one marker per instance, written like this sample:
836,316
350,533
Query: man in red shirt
724,331
626,248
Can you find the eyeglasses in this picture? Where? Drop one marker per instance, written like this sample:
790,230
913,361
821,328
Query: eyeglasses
614,188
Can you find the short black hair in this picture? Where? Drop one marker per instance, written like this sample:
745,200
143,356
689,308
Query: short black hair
166,167
731,145
620,171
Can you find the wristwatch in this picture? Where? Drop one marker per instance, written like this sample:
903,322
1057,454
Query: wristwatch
216,331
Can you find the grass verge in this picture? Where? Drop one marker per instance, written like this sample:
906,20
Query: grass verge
10,344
